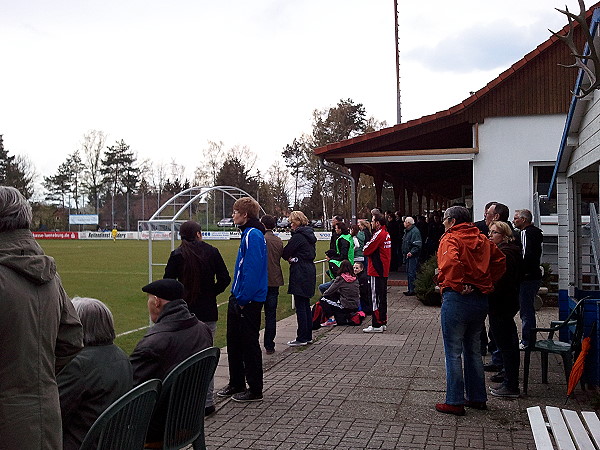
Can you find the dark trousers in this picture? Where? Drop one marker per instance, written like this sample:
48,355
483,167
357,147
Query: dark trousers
271,317
243,349
304,318
379,299
504,331
341,315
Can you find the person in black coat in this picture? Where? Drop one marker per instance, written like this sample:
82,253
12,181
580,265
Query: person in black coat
300,252
97,376
176,335
366,304
200,268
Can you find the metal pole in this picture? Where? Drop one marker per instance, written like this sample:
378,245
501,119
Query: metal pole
399,112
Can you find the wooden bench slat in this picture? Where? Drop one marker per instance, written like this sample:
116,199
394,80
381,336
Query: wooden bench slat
593,424
559,428
578,431
539,429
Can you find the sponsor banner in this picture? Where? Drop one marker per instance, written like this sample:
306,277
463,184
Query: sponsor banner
107,235
283,235
323,235
55,234
216,235
156,235
83,219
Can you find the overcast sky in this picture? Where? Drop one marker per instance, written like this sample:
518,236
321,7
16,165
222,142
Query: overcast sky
167,76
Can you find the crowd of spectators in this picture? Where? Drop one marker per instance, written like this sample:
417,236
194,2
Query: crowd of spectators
486,268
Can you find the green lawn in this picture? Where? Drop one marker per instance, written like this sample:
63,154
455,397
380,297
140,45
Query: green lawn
115,272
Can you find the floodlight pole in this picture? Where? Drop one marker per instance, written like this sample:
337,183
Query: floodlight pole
397,35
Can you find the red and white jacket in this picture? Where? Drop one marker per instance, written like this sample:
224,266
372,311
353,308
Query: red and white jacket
379,251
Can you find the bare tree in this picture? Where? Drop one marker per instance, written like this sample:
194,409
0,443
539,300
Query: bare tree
159,179
92,146
243,153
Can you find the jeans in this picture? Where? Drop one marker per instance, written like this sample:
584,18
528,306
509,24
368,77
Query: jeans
304,318
462,320
271,317
243,348
412,264
323,287
504,331
210,400
527,292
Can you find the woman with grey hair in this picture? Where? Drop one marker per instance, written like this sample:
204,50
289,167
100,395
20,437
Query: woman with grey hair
39,332
96,377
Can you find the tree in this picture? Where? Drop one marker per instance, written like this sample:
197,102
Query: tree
344,121
75,170
279,193
58,186
16,171
119,172
92,146
295,156
234,173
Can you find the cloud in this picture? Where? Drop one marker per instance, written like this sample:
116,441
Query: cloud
477,48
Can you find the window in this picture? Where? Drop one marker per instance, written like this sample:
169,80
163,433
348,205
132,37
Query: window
541,183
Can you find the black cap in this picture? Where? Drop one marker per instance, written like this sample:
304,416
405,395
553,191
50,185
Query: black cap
167,289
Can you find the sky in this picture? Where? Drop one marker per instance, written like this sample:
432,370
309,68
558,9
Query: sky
168,76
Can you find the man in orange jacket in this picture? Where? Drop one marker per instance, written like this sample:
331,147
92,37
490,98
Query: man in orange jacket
468,264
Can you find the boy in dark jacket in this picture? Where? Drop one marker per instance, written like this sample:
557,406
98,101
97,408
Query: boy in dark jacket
366,305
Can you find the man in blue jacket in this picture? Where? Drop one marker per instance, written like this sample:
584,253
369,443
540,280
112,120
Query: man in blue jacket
248,294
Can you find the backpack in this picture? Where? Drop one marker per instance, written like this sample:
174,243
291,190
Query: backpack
356,318
318,316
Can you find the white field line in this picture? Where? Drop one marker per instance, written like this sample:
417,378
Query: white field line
132,331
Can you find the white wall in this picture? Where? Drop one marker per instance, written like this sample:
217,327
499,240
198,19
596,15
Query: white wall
507,146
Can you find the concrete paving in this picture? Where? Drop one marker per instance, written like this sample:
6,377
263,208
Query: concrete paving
351,390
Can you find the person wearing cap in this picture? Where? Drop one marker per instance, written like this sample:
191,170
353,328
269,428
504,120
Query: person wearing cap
244,312
200,268
176,335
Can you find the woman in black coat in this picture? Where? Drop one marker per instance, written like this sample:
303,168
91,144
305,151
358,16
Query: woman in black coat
503,305
300,252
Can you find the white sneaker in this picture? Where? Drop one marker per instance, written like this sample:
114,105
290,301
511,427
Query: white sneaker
371,329
384,327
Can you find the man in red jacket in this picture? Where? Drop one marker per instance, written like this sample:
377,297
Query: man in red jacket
379,251
469,265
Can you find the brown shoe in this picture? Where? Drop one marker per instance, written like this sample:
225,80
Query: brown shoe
476,405
457,410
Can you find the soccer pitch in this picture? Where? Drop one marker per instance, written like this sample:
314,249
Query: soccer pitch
114,272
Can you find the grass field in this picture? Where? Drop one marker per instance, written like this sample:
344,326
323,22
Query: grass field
115,272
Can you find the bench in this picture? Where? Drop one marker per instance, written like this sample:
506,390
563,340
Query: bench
568,430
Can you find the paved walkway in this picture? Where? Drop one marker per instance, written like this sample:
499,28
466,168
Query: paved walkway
351,390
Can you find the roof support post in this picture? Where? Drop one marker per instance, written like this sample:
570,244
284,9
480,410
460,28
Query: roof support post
409,194
355,172
378,178
398,193
420,201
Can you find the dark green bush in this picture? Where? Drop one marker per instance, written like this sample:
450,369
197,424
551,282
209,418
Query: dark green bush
424,284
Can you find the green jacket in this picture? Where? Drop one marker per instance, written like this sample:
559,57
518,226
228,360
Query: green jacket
411,242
